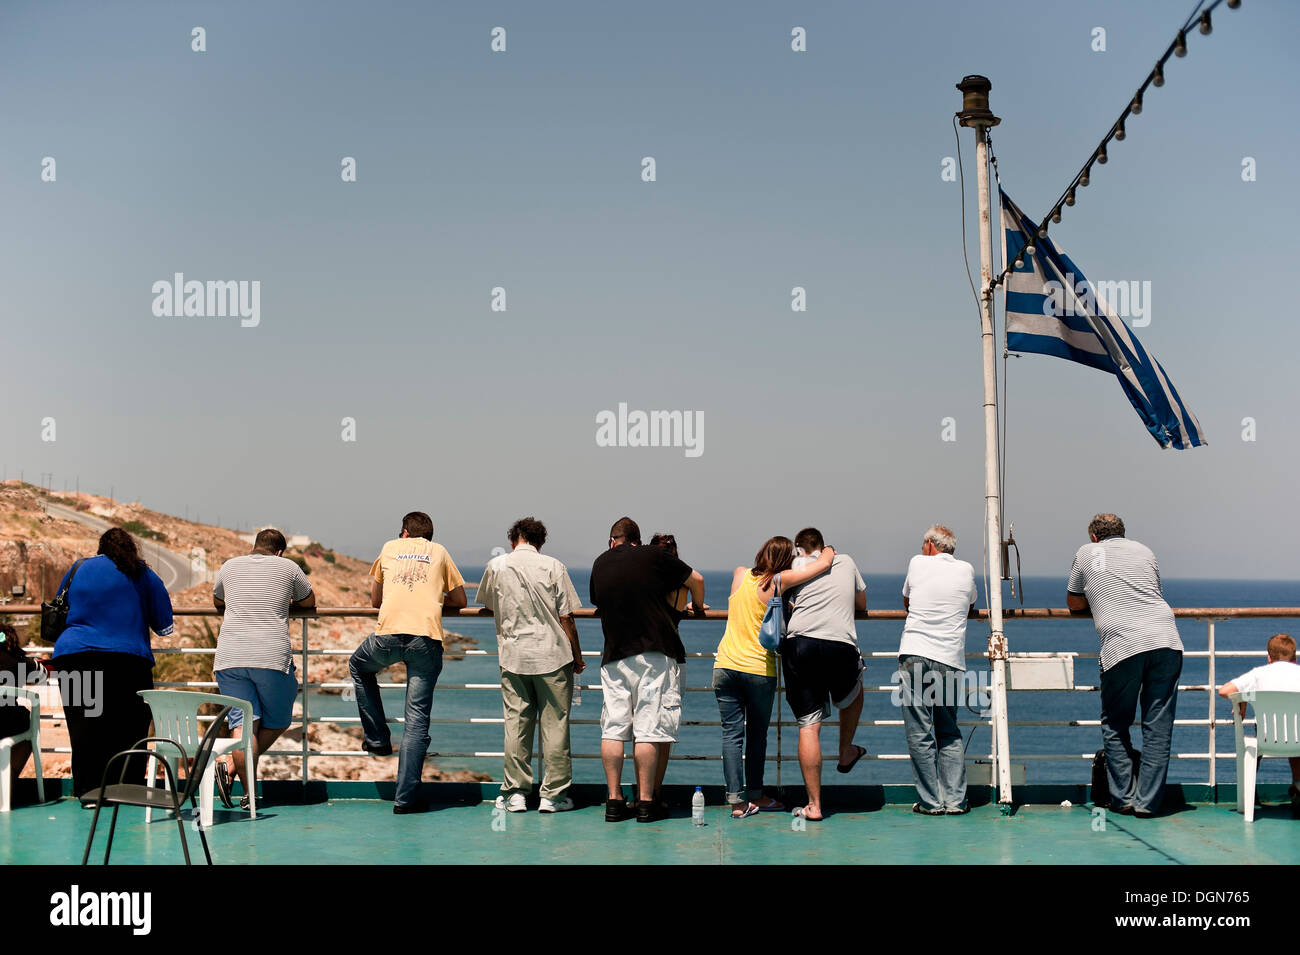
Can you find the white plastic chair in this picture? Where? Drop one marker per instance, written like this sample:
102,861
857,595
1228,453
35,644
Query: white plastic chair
9,696
1277,733
176,716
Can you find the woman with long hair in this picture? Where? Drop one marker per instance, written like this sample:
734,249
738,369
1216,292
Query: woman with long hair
104,657
744,673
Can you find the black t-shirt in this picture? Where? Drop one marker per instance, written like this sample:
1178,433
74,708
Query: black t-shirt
630,587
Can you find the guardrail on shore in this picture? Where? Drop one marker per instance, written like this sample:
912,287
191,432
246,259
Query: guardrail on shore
1209,615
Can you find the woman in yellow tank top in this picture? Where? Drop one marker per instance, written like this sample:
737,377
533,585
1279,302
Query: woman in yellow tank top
744,674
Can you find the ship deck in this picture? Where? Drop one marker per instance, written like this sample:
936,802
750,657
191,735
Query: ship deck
344,829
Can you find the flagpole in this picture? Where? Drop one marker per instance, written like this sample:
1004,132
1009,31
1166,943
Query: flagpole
977,115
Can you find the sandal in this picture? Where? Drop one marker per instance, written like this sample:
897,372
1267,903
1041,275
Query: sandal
848,767
802,813
772,806
223,785
750,809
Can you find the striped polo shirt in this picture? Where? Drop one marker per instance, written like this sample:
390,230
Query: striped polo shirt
1121,580
257,590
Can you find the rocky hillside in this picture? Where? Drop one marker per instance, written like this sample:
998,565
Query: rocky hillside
37,548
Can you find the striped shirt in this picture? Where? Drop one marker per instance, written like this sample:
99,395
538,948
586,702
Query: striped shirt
1121,580
257,590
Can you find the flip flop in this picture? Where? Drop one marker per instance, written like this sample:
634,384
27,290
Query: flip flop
223,785
801,812
775,806
749,810
841,768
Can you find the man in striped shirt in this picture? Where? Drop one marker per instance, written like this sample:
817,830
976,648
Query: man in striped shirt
254,660
1118,581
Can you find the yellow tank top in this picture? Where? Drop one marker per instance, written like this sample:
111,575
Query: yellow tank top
740,649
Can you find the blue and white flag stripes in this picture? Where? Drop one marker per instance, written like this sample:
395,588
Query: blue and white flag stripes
1052,309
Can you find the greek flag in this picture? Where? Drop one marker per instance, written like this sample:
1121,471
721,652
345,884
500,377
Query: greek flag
1052,309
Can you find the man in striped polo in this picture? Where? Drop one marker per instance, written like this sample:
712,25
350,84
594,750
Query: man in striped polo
254,660
1118,580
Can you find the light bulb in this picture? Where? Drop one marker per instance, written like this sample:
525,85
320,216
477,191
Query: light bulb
1083,180
1205,23
1136,108
1056,214
1101,154
1069,198
1119,131
1180,45
1158,76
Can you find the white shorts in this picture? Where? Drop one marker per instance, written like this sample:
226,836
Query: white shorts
642,699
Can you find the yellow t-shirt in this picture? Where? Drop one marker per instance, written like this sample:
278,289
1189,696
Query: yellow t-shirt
416,573
740,649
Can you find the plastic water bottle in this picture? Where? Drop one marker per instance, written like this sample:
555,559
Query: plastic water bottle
697,807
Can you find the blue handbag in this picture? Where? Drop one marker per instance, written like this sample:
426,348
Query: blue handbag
773,627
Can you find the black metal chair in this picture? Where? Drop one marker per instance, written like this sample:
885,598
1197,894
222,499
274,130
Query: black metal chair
173,798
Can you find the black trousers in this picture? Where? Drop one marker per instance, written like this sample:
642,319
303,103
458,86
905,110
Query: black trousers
104,713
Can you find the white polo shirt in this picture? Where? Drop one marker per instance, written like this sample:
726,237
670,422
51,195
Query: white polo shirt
1282,675
939,589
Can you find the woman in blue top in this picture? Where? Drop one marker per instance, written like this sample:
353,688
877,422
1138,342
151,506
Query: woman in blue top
104,657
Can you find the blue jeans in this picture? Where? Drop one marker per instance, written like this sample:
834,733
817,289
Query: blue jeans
423,659
1150,677
745,704
928,695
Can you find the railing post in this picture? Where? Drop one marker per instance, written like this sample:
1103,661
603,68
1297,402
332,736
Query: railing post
306,693
779,708
1212,694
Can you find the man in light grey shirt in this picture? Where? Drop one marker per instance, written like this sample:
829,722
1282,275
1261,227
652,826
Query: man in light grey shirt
822,663
533,601
1117,580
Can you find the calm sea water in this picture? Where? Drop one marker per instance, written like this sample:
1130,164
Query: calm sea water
883,592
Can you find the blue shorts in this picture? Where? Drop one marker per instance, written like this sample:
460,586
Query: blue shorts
271,692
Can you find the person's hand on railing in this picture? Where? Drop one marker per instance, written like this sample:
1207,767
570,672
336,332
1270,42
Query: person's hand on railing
694,611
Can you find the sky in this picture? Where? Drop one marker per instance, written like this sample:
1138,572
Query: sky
522,170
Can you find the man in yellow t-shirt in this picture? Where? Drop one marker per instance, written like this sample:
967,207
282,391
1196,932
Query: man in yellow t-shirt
414,578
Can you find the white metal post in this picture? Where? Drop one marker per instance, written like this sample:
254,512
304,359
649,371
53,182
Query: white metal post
306,693
976,114
1212,694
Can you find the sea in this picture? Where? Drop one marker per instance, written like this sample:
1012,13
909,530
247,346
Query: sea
884,592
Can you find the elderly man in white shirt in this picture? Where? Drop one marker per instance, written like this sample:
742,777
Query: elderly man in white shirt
1280,673
533,601
939,595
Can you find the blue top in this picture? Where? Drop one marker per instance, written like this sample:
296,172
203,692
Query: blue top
107,610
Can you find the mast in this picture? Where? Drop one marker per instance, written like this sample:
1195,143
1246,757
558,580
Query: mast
976,114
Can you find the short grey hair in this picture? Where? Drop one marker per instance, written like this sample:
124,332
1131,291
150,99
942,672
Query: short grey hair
1105,525
941,537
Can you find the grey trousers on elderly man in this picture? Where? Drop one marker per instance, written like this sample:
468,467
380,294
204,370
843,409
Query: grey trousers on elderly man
537,702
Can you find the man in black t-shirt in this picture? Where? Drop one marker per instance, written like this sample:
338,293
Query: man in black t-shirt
640,673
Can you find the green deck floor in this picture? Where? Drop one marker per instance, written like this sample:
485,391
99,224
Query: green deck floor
362,831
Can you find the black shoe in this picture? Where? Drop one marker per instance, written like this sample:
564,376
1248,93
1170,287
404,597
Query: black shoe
616,810
1121,810
410,808
1143,814
223,786
385,750
648,810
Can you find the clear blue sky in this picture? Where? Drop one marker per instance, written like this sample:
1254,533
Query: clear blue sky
522,170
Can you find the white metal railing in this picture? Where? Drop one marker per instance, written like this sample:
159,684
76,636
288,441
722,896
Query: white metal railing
305,753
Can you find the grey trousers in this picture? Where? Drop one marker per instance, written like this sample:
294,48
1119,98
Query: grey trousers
533,702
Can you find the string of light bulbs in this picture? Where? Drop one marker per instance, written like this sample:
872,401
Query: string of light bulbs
1117,132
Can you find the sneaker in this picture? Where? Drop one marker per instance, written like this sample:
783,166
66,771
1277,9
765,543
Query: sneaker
922,811
515,802
650,810
958,811
385,750
555,805
223,785
616,810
